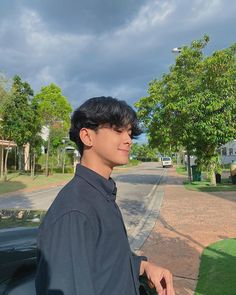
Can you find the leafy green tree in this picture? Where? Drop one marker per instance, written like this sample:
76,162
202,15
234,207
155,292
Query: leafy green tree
19,117
4,92
194,104
4,96
36,143
53,108
144,151
59,139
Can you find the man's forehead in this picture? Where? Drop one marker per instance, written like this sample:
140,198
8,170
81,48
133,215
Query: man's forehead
107,125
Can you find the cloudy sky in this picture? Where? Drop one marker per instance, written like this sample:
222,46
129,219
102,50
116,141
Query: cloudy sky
105,47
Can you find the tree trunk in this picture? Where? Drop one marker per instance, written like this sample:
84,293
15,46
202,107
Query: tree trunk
47,157
63,161
34,162
2,162
52,164
189,167
212,175
178,159
15,164
5,168
32,165
20,159
58,158
27,162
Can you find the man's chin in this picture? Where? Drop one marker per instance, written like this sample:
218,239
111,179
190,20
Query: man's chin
121,163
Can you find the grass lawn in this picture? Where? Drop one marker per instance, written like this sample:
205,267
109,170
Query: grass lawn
204,186
181,170
217,273
20,218
16,182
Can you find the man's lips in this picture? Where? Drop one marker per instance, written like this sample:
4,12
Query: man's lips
127,151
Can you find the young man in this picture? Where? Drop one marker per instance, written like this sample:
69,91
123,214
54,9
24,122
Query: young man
83,247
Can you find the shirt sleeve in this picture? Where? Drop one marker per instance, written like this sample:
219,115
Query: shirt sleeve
137,262
66,256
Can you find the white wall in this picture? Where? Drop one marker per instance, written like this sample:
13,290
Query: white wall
228,152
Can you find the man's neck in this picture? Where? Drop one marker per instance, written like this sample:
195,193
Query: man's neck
100,168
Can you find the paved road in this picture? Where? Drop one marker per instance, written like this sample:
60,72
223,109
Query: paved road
138,198
136,191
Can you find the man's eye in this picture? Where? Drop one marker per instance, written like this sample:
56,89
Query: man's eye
118,130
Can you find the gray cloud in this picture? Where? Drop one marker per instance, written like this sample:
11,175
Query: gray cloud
92,48
90,16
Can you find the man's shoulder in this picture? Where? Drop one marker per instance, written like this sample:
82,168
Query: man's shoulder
76,192
76,196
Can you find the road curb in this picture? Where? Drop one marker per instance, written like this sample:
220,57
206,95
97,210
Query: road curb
141,232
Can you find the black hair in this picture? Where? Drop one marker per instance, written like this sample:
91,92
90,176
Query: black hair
98,111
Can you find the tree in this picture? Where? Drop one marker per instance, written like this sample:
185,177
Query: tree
53,107
4,96
144,151
194,104
4,92
36,143
218,109
59,139
19,117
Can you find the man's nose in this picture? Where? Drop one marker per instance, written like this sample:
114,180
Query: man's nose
128,138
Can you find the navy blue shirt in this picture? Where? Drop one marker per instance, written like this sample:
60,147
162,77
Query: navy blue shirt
83,247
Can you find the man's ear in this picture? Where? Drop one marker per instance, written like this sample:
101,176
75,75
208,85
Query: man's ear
85,136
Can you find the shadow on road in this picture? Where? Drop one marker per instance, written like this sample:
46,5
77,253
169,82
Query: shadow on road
172,229
137,179
15,201
176,254
132,207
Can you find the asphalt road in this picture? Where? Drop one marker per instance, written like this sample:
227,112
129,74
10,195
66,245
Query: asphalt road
138,197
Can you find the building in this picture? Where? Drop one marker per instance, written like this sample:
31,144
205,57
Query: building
6,144
228,152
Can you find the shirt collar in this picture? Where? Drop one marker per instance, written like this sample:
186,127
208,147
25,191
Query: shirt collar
105,186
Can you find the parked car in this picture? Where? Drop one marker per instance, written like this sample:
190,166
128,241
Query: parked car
166,162
18,233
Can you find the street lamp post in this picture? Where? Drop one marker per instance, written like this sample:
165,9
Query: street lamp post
64,141
178,50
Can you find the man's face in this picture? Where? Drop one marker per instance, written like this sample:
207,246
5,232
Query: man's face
112,145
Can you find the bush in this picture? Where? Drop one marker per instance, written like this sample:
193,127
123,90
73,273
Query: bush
38,168
67,169
134,162
226,166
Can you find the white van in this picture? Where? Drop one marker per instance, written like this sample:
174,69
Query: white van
166,162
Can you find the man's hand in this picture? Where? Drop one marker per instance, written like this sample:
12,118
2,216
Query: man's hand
159,277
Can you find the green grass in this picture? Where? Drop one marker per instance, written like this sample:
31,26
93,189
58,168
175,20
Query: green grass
204,186
20,218
181,170
18,182
217,273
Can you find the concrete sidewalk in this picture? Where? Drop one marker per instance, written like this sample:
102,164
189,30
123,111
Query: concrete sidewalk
188,222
